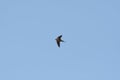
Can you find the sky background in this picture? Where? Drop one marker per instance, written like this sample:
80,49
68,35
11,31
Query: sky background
91,29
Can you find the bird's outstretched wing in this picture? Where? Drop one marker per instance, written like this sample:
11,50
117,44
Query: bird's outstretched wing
58,43
60,36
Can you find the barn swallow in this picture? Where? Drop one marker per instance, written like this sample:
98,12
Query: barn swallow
58,40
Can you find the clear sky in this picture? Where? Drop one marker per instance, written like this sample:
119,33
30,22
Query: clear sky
91,29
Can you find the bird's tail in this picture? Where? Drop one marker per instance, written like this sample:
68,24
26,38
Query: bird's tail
63,41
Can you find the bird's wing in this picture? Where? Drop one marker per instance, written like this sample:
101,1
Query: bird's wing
58,43
60,36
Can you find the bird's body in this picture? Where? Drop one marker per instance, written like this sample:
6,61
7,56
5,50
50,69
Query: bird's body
58,40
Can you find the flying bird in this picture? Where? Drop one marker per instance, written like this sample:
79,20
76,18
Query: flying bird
58,40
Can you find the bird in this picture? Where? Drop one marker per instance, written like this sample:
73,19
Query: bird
58,40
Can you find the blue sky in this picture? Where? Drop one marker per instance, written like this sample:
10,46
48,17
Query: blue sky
91,29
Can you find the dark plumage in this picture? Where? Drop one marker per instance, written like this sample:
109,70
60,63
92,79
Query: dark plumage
58,40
